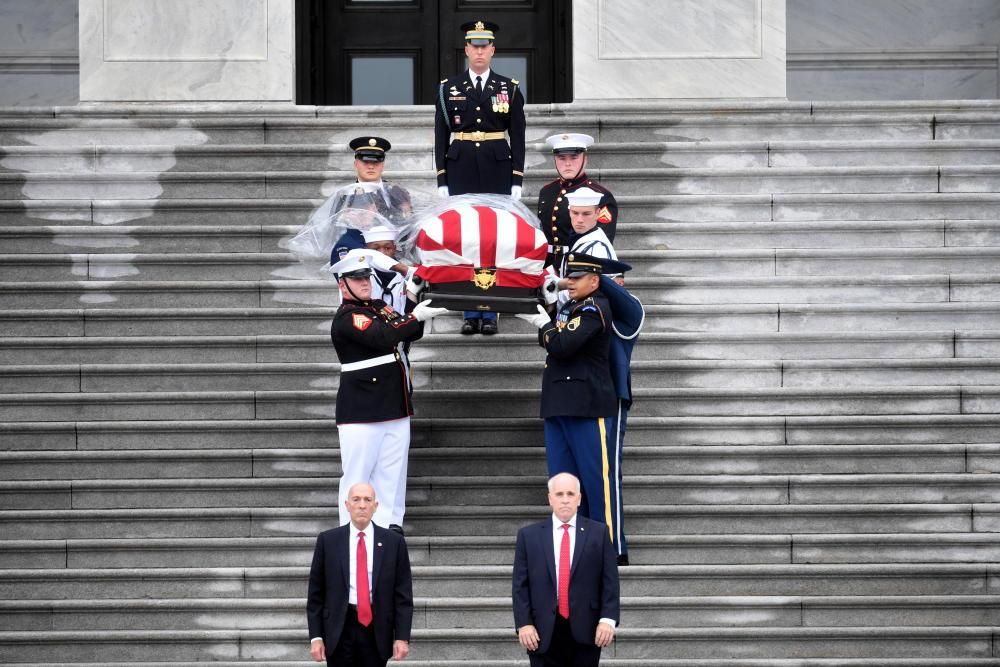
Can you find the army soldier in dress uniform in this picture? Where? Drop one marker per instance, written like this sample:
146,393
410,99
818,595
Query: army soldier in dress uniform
374,398
389,200
570,155
579,403
473,109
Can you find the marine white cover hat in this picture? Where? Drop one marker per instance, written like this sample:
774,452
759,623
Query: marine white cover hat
355,264
570,143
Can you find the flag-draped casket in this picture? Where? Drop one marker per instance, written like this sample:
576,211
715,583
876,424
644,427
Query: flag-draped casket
480,257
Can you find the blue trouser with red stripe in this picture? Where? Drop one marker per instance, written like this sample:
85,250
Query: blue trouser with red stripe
590,448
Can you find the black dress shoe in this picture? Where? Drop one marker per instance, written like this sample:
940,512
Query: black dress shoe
470,327
622,560
489,327
396,528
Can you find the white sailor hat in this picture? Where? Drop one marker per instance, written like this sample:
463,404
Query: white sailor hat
584,197
379,233
570,143
355,264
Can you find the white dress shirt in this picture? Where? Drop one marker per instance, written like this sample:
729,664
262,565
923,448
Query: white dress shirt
557,533
485,75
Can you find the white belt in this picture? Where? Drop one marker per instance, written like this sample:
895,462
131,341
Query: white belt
367,363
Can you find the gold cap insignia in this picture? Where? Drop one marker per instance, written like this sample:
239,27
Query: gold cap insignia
571,258
480,26
372,142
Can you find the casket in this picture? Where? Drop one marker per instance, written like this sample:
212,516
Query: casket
481,258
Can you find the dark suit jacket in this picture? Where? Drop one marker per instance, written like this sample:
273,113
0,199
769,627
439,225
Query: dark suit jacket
392,588
593,583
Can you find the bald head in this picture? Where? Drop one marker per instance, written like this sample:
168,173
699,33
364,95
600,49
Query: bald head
361,504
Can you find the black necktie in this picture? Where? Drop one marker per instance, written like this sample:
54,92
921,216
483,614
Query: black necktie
479,86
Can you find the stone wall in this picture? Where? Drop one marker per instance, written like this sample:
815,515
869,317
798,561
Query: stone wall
39,53
893,49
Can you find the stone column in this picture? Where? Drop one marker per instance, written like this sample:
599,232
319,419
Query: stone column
187,50
675,49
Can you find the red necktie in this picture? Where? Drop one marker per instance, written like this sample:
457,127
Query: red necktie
364,599
564,572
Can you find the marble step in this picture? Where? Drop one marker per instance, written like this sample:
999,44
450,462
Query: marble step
706,431
491,612
714,208
650,181
635,235
871,548
494,580
753,263
610,662
490,520
507,375
454,403
150,239
187,238
418,156
104,336
248,492
494,644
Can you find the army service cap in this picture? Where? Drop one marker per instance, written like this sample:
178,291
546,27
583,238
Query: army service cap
479,33
578,264
355,264
570,143
370,149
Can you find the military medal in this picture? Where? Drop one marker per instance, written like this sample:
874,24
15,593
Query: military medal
496,105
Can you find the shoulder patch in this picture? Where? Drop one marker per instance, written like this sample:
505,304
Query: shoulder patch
573,323
590,308
361,321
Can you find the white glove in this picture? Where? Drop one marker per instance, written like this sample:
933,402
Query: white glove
443,190
382,262
414,286
540,320
423,311
550,290
515,191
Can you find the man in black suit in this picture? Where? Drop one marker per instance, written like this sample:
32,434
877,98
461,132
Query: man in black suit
565,585
360,600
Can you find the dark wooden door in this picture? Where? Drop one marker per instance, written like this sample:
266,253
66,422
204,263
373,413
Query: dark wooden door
395,51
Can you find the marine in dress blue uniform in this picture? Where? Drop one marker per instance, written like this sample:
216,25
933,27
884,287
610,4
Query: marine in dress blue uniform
471,152
579,403
374,395
553,210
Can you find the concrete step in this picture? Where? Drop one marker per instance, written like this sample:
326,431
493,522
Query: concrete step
160,240
453,403
177,492
494,580
161,212
611,662
494,644
491,612
642,519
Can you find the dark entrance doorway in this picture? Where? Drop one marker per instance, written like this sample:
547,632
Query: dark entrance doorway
395,51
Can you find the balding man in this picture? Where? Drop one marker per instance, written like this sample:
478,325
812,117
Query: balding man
565,585
360,600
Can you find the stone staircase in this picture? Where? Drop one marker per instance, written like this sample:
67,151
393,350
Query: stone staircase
811,460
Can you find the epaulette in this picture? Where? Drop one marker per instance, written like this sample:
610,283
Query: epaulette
515,81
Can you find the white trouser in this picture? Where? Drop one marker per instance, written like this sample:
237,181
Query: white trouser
376,453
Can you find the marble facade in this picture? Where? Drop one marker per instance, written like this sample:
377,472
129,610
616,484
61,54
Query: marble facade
39,53
187,50
686,49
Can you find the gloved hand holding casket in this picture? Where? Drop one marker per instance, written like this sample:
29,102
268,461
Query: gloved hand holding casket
481,252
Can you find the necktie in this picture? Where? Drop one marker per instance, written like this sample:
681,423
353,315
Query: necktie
564,572
479,85
364,599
